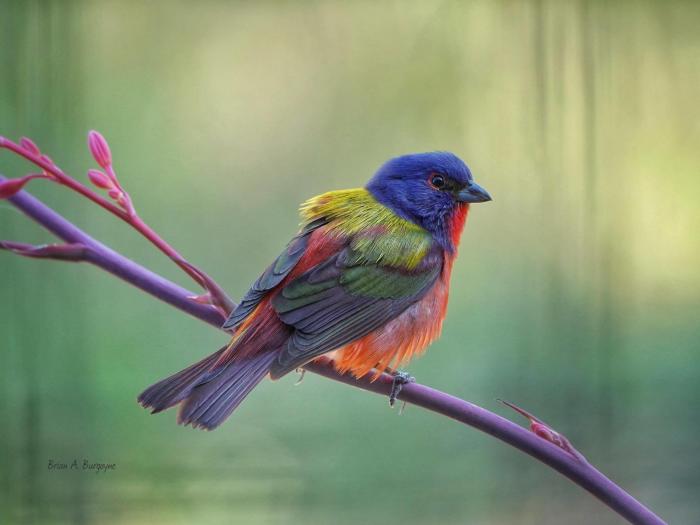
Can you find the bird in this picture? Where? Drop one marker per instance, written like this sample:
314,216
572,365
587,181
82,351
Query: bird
365,281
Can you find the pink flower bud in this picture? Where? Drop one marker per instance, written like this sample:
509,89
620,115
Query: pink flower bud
546,433
100,180
10,187
66,252
99,149
29,145
114,194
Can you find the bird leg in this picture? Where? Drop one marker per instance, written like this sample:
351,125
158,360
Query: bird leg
399,380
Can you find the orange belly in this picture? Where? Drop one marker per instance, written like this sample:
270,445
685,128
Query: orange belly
394,344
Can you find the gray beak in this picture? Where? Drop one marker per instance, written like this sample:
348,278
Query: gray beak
473,193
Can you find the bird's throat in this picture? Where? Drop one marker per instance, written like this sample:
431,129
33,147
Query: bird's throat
456,223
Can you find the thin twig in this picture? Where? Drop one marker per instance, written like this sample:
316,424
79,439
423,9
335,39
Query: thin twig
580,472
123,209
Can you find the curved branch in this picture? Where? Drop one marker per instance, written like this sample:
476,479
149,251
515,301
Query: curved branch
570,465
113,262
123,209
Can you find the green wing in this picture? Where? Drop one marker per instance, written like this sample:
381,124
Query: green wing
344,299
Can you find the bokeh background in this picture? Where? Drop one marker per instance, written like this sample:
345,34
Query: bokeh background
577,294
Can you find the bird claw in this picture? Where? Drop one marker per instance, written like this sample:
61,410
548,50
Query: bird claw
400,379
302,373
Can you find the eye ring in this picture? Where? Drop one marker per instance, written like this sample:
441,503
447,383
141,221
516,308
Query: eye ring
438,181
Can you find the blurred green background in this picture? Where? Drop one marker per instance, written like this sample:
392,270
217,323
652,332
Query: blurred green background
577,293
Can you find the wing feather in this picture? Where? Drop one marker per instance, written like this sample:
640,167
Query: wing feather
343,300
273,275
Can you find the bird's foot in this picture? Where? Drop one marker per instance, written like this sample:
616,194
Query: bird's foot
302,373
400,379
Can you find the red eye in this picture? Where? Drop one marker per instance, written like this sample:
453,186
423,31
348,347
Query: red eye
438,181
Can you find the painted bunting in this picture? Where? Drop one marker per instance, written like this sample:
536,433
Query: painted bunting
365,280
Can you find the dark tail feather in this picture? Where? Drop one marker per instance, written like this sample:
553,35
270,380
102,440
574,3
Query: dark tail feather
172,390
212,401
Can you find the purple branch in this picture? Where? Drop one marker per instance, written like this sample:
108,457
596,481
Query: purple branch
571,465
113,262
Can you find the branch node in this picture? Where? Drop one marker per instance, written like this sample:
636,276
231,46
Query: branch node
75,252
544,431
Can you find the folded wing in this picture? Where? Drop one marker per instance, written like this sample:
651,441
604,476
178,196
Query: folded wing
344,299
273,275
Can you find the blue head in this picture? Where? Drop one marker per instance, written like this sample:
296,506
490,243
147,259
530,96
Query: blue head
427,189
